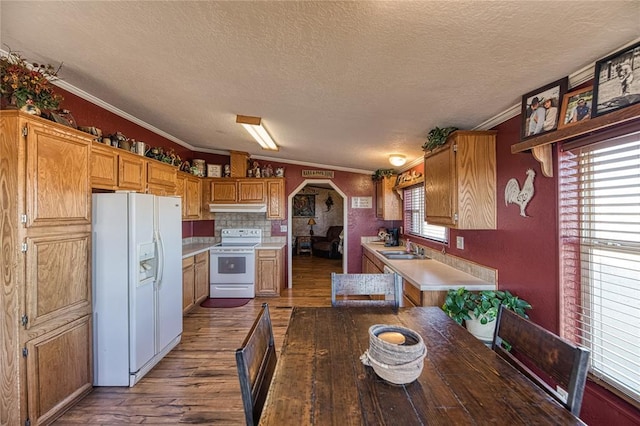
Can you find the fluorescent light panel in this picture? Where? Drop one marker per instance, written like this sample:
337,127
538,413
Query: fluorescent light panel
253,125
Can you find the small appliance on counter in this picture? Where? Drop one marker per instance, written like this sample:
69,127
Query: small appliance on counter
393,238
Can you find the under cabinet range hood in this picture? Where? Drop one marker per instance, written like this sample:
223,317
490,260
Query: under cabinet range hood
237,208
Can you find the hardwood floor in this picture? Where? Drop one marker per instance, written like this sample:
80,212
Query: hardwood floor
197,382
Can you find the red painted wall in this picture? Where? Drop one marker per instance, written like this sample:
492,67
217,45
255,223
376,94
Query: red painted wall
523,250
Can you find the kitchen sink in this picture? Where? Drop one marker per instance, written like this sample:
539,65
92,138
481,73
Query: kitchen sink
386,252
399,255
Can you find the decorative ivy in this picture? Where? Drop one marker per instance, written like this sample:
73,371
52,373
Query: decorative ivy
382,173
437,137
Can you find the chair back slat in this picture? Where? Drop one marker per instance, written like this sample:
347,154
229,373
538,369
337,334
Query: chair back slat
256,361
366,285
530,347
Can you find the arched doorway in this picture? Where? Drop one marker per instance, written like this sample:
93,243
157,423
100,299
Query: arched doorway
321,183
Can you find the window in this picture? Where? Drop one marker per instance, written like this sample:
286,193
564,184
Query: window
600,256
414,223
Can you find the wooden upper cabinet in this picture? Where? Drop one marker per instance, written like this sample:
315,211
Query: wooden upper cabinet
251,191
275,199
388,202
58,189
132,172
189,187
230,191
460,181
223,190
161,178
104,167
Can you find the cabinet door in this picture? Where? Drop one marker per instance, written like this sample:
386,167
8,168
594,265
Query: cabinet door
388,202
58,279
251,191
192,199
223,191
275,199
58,187
131,172
187,284
104,167
201,284
267,273
161,178
59,370
441,195
180,185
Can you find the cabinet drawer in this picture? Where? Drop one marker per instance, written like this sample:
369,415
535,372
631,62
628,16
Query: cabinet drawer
188,261
202,257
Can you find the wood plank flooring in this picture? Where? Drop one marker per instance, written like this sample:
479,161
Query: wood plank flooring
197,381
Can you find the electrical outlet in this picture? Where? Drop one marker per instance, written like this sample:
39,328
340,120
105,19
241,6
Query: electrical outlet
460,243
283,228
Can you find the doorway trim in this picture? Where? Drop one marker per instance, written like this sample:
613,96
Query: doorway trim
345,240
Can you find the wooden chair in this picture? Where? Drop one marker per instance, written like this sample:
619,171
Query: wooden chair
256,361
366,285
563,362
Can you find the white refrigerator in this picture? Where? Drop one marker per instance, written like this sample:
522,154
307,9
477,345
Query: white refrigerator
137,284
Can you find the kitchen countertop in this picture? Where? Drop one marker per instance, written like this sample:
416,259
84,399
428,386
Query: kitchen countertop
272,246
192,249
428,274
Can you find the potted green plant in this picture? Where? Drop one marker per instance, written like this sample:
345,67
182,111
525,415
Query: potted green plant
478,310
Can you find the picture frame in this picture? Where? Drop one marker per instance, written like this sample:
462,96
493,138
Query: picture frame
214,170
540,109
304,205
616,82
576,107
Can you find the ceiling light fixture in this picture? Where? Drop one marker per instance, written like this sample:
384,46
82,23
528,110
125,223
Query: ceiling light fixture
253,125
397,159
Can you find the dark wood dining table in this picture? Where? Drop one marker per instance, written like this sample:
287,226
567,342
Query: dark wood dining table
320,380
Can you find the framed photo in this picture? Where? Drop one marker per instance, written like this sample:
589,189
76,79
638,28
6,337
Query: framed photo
617,81
576,107
304,205
541,109
214,170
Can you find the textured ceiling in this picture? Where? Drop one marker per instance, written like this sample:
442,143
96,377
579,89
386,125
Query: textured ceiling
342,84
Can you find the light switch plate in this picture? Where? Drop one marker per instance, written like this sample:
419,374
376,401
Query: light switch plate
283,228
460,243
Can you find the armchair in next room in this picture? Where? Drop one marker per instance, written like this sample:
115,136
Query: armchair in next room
330,245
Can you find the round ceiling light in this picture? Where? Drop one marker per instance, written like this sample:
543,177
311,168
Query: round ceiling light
397,159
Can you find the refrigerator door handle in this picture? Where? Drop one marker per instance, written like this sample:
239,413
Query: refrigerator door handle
160,248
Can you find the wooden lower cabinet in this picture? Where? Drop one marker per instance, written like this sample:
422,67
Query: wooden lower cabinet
422,298
269,272
59,370
371,264
195,280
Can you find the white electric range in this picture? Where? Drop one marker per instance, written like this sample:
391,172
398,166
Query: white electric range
233,263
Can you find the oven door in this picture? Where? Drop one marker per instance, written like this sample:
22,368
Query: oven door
232,268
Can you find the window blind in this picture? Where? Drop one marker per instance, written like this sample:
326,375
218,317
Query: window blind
414,216
600,256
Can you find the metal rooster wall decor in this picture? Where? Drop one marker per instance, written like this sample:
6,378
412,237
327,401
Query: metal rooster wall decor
514,195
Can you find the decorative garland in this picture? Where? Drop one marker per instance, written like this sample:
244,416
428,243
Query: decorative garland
382,173
437,137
